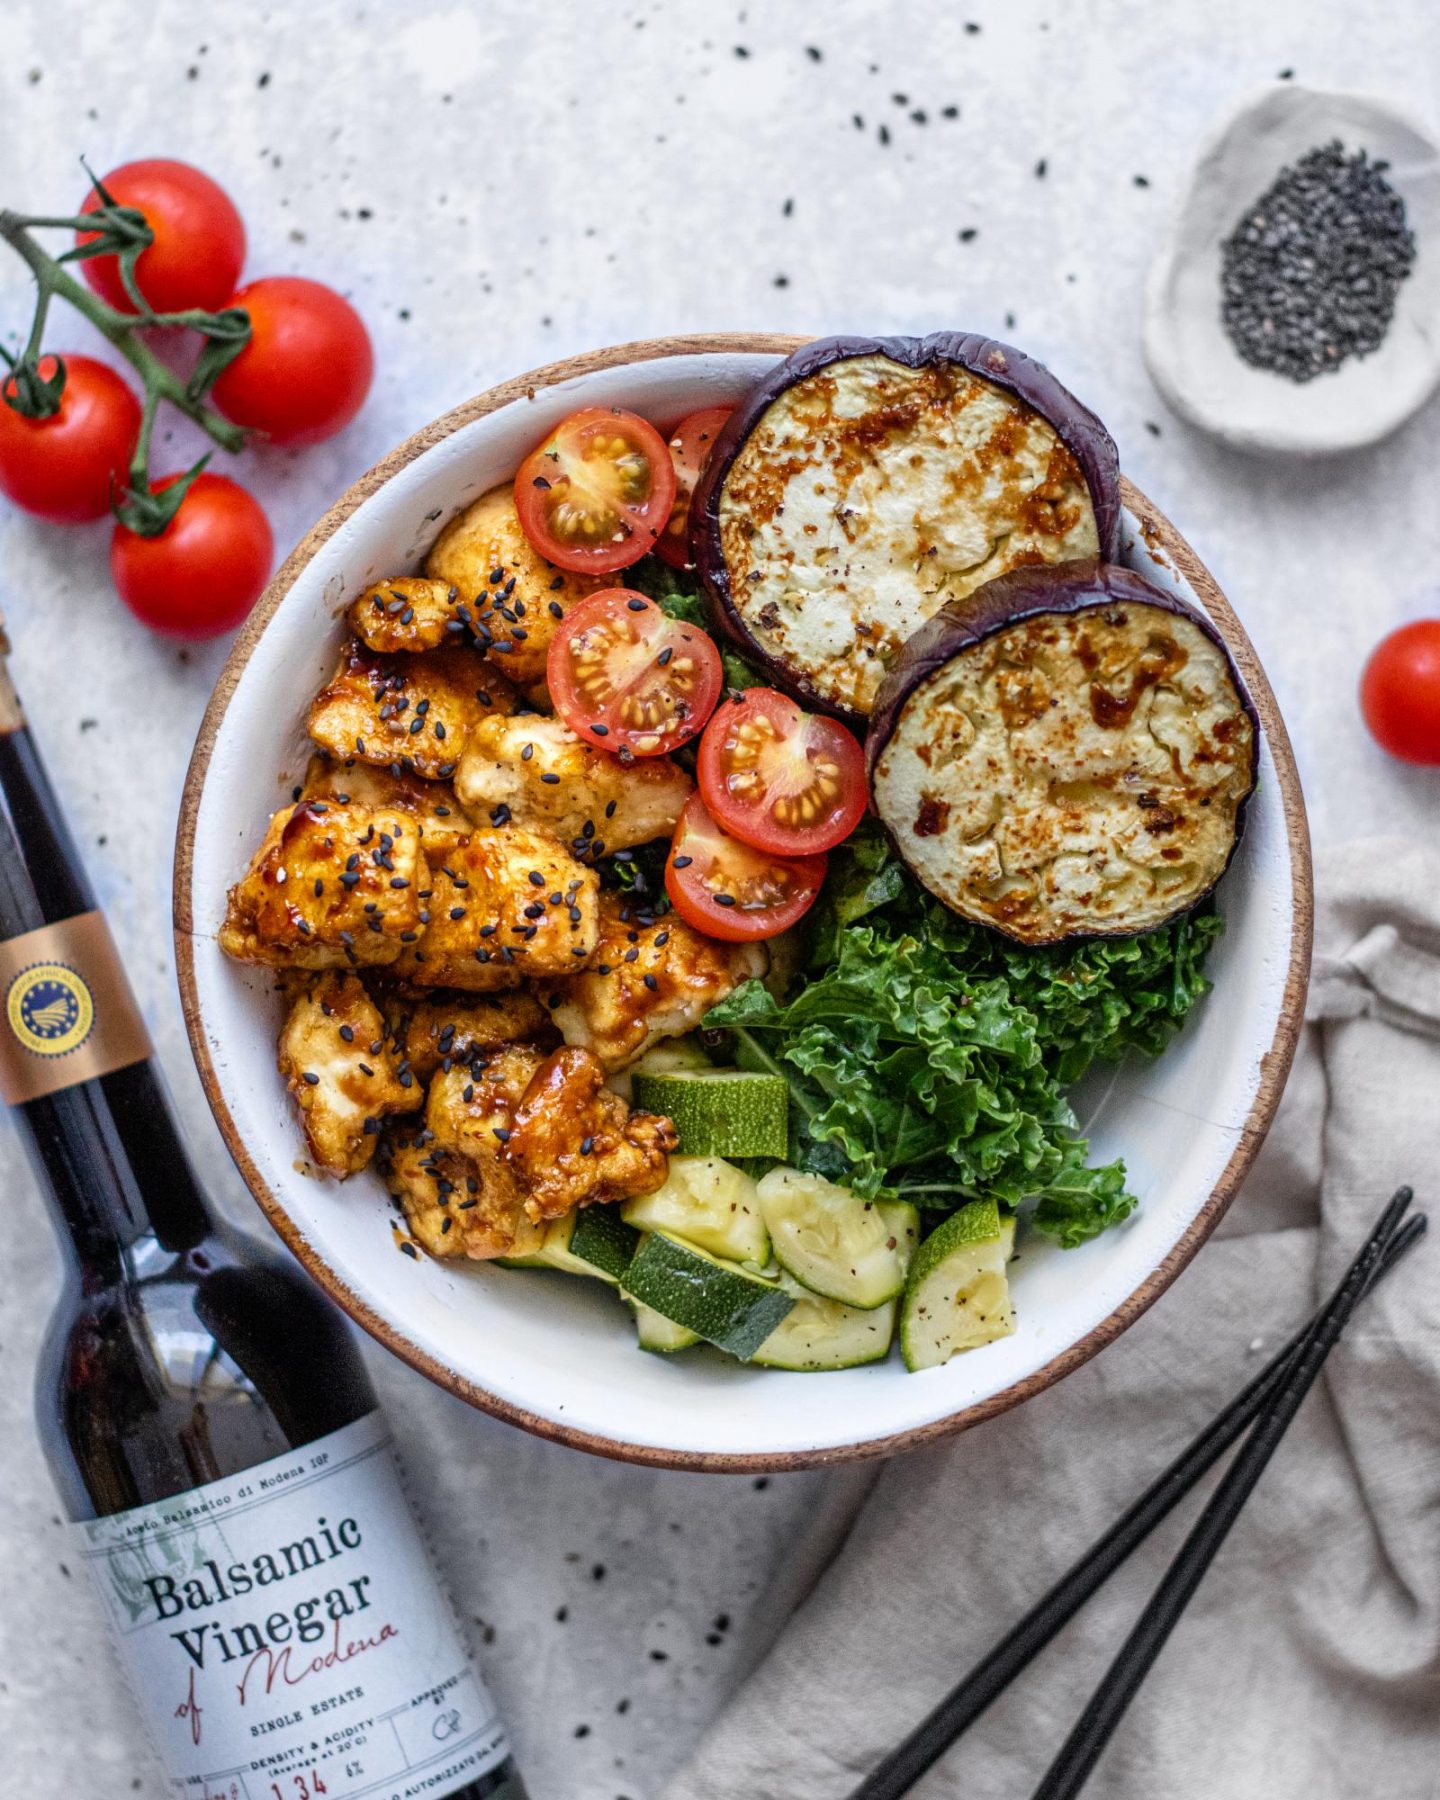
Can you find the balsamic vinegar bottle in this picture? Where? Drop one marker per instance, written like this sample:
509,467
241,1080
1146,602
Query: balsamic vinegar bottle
206,1414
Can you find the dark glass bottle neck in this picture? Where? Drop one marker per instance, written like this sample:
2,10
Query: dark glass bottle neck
107,1150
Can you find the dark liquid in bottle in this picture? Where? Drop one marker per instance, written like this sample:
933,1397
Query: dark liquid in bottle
179,1352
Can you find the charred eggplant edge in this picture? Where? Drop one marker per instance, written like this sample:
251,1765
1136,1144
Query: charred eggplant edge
1073,587
1078,428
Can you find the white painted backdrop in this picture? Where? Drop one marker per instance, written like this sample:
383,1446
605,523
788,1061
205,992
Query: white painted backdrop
497,185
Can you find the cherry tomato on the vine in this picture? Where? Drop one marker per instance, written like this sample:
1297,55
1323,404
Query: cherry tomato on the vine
205,570
630,679
199,238
596,495
730,890
691,442
1400,692
69,467
781,778
307,367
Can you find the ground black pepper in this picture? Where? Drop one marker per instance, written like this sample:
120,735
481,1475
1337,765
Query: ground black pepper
1310,273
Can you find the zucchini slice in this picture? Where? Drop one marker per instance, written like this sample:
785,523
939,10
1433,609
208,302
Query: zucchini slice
822,1334
596,1242
709,1203
724,1304
837,1245
958,1297
656,1333
720,1112
669,1055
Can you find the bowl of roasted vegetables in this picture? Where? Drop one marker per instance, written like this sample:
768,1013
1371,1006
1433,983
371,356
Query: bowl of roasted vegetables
742,902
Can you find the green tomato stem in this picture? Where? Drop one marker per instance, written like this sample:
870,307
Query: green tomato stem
120,329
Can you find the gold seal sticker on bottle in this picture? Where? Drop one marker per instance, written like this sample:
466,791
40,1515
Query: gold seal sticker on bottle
68,1013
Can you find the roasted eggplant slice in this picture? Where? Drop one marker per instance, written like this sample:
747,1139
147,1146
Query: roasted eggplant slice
867,482
1067,753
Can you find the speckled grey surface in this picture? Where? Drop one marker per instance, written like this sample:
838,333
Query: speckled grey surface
498,185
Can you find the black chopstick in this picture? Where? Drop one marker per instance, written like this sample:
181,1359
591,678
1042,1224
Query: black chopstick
993,1673
1081,1750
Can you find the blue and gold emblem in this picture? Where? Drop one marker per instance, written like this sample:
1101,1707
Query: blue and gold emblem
50,1009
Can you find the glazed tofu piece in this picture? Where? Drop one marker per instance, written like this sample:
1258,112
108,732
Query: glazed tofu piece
331,886
337,1061
453,1208
575,1143
566,1139
501,906
414,713
451,1026
516,597
534,771
408,612
443,821
646,982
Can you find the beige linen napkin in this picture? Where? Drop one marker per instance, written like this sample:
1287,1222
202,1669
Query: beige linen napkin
1308,1665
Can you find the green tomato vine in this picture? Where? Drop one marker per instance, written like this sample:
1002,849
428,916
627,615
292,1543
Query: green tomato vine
122,232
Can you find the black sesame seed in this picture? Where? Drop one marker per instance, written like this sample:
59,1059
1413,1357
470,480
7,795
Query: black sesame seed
723,899
536,878
586,1145
550,780
637,604
311,1078
683,862
599,729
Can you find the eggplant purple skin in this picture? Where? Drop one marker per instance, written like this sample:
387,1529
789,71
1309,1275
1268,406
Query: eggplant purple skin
1031,382
1007,600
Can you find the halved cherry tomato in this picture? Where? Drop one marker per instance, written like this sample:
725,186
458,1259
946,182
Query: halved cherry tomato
780,778
199,238
691,442
730,890
72,465
596,494
630,679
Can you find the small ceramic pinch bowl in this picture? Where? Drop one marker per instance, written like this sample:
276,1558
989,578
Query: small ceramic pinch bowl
1190,357
545,1351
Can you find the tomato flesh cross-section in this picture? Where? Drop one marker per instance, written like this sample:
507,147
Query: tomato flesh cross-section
597,494
628,678
781,778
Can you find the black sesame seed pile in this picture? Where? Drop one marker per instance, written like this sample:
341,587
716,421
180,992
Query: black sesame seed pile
1309,275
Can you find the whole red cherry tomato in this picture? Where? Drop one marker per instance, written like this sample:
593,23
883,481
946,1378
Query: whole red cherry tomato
308,365
1400,692
67,467
199,247
205,570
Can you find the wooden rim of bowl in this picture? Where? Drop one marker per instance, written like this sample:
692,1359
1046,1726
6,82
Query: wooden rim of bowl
1160,537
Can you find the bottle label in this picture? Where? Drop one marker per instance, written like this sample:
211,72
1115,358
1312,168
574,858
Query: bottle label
66,1010
287,1637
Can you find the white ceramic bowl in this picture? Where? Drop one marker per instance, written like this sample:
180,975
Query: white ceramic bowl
547,1352
1191,359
